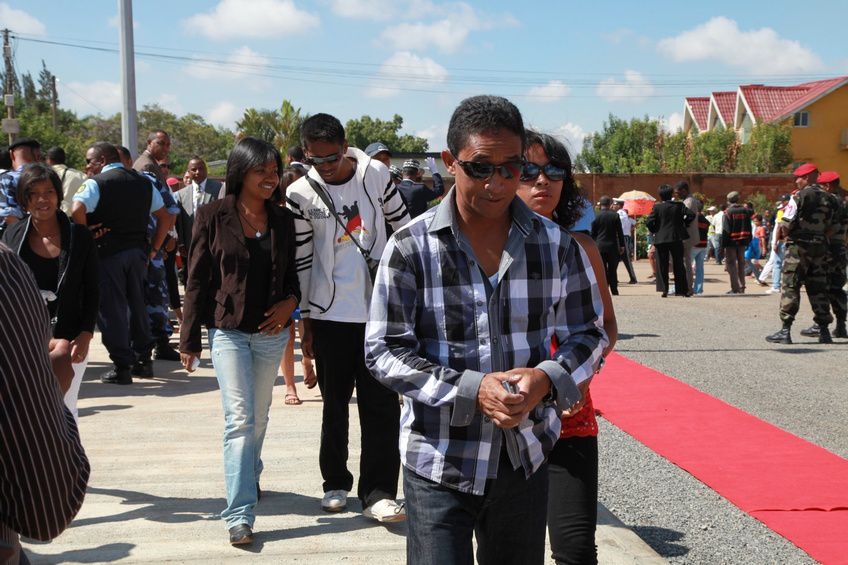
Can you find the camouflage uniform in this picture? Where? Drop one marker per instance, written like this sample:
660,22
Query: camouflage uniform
838,258
805,261
156,294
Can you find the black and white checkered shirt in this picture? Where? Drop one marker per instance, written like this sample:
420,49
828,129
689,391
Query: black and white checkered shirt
437,327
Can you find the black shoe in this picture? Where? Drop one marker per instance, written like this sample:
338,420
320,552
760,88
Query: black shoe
143,369
781,336
633,281
824,335
164,352
241,535
258,493
812,331
117,376
839,330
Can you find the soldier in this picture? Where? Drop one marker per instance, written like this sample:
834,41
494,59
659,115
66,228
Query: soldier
806,225
837,257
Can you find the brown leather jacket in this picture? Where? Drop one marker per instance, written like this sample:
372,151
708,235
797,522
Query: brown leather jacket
217,269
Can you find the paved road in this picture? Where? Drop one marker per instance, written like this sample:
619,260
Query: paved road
715,343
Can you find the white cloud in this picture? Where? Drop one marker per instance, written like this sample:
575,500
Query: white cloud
573,136
551,92
760,51
634,88
19,21
448,34
98,97
673,123
253,19
242,65
224,114
409,70
171,103
436,136
365,9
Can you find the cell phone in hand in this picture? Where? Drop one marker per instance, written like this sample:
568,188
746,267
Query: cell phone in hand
510,387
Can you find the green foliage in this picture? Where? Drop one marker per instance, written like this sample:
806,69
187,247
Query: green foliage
360,133
641,238
769,149
641,146
622,147
761,203
713,151
279,127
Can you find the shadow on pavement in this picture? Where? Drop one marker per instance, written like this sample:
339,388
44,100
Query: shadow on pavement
100,554
91,410
664,541
169,510
170,380
623,337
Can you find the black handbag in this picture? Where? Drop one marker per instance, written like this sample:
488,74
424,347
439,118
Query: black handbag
370,262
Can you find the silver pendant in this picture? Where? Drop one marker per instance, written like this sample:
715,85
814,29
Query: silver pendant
258,234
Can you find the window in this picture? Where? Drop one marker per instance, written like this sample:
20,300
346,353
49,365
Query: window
801,119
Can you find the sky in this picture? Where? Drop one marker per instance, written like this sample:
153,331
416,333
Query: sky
566,64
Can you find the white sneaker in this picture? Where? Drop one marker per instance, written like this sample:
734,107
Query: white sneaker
385,510
334,501
773,291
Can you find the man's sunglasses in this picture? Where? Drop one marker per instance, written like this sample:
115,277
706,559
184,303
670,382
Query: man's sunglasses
321,160
164,165
531,171
485,171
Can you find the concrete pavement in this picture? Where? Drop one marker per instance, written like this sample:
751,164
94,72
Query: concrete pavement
156,486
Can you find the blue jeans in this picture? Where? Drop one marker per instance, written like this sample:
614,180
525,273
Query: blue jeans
698,255
508,520
778,265
246,368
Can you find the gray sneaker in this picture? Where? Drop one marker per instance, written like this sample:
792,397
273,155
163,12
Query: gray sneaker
334,501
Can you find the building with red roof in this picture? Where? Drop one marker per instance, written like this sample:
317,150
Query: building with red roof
817,112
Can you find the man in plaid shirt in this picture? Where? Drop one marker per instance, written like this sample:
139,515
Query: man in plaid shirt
467,301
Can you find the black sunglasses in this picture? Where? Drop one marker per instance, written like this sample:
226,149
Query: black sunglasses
485,171
531,171
321,160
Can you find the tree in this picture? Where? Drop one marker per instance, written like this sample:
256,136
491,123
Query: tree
45,88
674,152
769,149
279,127
623,147
713,151
366,130
28,87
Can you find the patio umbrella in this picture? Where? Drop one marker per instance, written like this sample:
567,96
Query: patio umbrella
637,202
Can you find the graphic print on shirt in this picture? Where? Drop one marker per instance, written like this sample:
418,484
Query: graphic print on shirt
353,224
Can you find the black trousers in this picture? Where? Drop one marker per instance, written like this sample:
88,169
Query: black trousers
611,259
123,319
675,250
340,360
171,278
573,500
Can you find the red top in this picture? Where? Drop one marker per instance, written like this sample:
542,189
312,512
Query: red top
581,424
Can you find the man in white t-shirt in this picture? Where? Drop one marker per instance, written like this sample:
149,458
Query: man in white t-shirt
627,227
334,250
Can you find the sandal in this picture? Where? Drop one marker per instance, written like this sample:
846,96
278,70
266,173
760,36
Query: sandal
291,399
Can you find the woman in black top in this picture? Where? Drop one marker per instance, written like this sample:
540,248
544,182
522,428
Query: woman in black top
63,260
243,285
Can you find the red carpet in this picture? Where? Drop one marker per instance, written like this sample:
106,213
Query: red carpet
794,487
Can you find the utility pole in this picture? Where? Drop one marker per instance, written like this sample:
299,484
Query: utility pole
9,98
53,101
129,125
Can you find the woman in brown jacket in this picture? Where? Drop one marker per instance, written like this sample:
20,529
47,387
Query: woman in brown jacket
242,284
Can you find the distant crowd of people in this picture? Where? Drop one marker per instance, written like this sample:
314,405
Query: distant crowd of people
487,308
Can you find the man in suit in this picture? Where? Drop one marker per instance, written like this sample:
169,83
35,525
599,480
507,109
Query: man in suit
607,233
158,148
668,221
201,190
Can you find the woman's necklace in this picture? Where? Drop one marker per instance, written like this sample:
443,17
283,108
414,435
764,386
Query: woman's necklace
251,226
49,236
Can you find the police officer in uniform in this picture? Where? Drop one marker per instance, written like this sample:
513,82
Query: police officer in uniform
837,259
806,225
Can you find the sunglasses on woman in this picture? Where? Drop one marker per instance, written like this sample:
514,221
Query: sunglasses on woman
531,171
485,171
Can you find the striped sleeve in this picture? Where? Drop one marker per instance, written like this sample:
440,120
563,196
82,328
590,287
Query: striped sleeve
394,208
43,467
303,236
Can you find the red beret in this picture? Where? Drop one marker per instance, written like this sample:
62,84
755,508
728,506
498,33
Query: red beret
804,169
828,176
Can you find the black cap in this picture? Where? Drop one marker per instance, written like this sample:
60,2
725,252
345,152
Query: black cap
25,142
